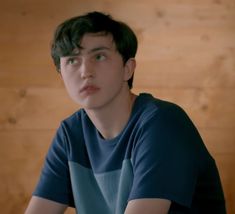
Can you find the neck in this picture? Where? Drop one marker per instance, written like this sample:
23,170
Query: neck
112,119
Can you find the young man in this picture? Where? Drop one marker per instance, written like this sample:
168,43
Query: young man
121,152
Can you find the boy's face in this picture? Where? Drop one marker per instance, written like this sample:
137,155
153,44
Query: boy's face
95,74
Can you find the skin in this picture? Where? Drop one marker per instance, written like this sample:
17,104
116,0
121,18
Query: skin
40,205
96,78
99,65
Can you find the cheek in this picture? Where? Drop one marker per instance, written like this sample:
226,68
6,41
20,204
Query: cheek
71,83
113,78
116,72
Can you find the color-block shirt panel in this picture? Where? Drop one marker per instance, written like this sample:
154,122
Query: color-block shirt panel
159,158
159,154
104,192
54,183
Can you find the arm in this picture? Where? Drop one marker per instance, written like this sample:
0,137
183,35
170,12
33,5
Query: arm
39,205
54,182
148,206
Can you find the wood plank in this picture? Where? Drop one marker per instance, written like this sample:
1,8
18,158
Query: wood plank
207,107
34,108
22,155
22,160
172,70
225,165
180,71
200,56
217,72
43,108
219,141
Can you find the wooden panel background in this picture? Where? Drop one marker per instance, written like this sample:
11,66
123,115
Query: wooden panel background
186,55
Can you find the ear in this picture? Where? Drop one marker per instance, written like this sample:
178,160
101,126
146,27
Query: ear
129,68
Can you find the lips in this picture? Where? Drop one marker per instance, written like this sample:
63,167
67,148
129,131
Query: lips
89,89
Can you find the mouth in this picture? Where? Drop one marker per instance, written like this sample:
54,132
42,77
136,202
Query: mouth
89,89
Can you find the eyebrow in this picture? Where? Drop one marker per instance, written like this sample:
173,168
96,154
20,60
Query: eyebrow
98,49
78,51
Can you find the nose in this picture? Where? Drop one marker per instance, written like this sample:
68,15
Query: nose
86,69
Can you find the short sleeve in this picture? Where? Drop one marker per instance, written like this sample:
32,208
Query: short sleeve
54,183
165,157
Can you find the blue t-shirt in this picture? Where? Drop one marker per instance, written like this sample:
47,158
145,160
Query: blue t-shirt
159,154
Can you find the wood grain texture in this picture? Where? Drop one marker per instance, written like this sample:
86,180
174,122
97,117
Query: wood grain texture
186,55
22,155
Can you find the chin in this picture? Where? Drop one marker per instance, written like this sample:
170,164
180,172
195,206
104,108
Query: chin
88,104
93,102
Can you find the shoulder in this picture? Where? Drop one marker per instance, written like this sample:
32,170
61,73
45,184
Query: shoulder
72,123
69,130
73,118
166,124
150,109
69,138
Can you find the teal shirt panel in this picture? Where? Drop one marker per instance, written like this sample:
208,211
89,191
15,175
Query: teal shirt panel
106,192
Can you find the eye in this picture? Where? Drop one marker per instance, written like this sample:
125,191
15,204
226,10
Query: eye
100,57
72,61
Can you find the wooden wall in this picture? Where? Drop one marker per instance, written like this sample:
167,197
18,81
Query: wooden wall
186,55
